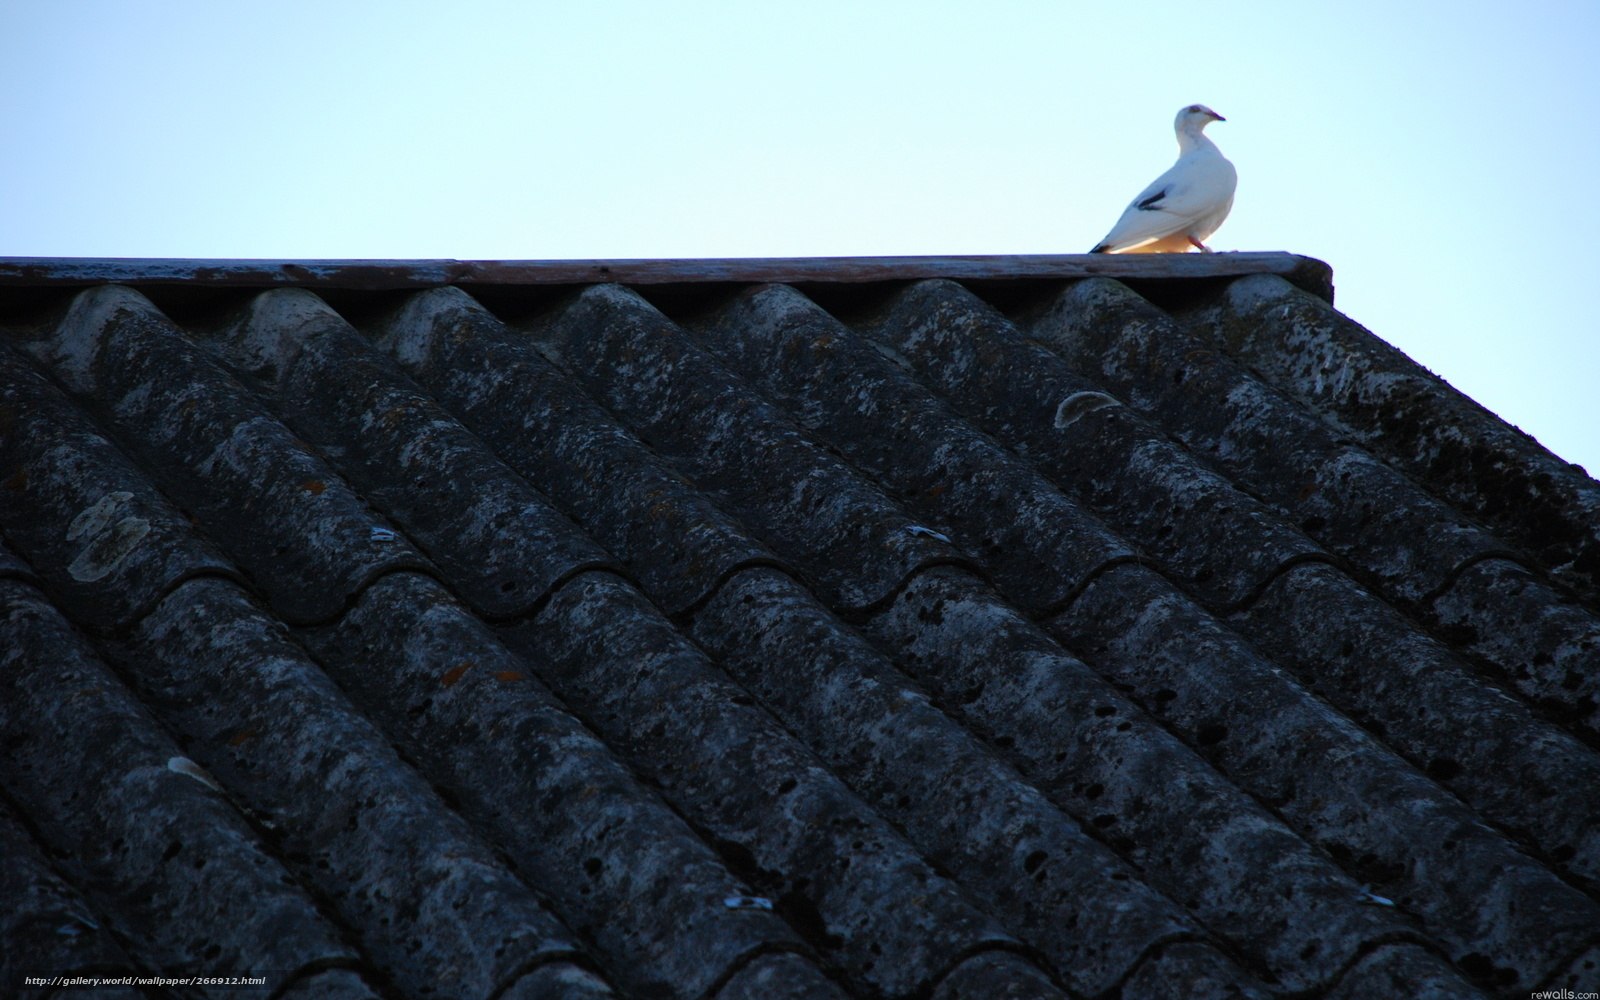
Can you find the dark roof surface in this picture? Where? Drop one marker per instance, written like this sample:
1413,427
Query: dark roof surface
910,629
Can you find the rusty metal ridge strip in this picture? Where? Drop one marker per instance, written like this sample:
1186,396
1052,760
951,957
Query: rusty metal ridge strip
381,275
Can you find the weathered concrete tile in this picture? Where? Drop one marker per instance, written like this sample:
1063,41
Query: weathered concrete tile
569,448
1159,805
1546,645
1581,973
621,868
1221,543
1397,533
966,809
559,981
1372,391
1399,834
152,841
110,543
1189,970
47,928
489,532
779,976
1403,970
272,504
332,984
833,525
996,975
826,862
1361,782
427,899
1413,694
1037,544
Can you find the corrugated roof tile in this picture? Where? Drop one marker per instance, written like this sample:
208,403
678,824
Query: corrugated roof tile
156,845
656,381
1405,837
1218,541
544,427
841,531
288,519
429,900
1200,971
1414,547
558,981
490,533
1033,540
649,629
1401,970
825,860
1425,703
73,501
776,977
1369,389
1062,890
1543,643
995,976
47,927
619,866
12,566
1351,503
1151,799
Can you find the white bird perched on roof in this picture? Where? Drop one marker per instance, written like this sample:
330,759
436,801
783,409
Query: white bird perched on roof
1185,205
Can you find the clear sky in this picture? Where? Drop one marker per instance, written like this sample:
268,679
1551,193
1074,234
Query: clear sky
1442,156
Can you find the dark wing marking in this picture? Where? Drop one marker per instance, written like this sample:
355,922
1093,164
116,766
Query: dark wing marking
1153,202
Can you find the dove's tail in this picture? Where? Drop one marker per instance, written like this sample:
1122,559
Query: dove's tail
1102,248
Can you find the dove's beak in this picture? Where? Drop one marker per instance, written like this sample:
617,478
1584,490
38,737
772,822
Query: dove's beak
1218,117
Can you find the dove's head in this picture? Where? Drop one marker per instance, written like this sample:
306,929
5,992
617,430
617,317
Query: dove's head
1196,117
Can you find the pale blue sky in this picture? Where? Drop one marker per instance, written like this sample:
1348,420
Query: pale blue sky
1443,157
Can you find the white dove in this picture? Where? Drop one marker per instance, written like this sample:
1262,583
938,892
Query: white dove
1185,205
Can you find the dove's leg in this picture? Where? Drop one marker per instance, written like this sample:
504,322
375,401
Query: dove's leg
1200,246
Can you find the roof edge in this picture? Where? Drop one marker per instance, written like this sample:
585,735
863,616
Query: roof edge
1307,273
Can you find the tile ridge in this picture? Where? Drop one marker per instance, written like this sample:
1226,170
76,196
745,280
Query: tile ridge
1305,272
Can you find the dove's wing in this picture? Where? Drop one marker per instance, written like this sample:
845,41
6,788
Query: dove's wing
1200,185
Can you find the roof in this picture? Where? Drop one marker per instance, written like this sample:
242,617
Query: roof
923,628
